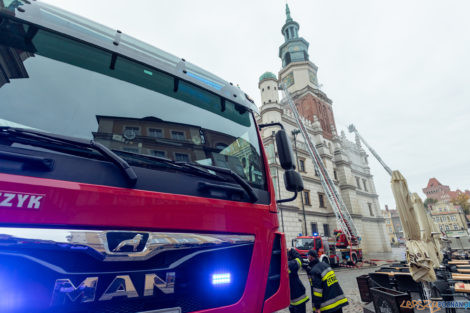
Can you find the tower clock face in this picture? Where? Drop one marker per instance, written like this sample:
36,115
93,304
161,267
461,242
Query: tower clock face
288,80
312,77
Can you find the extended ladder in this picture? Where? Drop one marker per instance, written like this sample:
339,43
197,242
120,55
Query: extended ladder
341,212
352,129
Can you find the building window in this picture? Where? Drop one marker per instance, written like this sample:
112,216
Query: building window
358,183
452,218
302,165
158,153
155,132
275,88
456,227
326,230
335,174
321,200
269,87
177,135
181,157
262,89
314,228
307,197
365,184
447,227
371,212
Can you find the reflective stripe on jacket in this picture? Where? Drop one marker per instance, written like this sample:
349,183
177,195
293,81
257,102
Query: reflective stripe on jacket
326,291
297,289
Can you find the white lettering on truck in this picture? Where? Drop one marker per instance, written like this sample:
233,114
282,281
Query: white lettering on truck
11,199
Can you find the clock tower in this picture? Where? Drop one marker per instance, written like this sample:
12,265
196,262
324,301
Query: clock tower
299,76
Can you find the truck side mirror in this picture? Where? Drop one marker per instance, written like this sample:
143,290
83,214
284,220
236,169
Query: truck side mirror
293,181
284,148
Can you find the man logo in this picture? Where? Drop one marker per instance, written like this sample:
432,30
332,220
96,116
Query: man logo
126,242
122,286
134,242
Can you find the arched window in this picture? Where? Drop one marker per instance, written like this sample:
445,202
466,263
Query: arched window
287,58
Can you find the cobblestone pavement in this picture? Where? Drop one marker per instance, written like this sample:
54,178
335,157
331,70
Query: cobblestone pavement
348,282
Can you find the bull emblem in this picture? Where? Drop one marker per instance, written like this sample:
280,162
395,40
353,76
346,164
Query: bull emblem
134,242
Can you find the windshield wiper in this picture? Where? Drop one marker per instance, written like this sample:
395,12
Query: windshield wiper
249,190
71,141
197,168
149,160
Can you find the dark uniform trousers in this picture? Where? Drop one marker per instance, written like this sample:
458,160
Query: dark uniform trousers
327,294
298,298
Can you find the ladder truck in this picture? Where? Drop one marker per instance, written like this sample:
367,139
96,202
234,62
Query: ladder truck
347,238
353,129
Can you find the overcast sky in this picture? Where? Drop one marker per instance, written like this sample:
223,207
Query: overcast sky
399,70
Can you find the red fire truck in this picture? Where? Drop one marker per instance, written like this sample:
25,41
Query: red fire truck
130,180
324,246
333,251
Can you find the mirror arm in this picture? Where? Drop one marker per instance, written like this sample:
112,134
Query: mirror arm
288,199
261,126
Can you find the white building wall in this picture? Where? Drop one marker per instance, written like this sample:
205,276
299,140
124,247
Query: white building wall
340,155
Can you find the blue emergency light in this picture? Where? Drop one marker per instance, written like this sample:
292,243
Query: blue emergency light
220,279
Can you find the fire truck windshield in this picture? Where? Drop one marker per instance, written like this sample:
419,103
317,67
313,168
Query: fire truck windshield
304,243
58,85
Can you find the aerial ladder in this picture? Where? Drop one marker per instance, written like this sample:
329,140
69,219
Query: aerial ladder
348,228
352,129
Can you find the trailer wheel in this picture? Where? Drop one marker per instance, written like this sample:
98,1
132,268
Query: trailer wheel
354,259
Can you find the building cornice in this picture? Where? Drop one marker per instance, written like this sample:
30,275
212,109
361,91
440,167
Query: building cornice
271,109
347,186
320,214
296,64
366,194
343,162
314,91
378,220
361,173
289,208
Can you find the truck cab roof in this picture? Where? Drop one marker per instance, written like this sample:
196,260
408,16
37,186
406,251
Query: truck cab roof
60,21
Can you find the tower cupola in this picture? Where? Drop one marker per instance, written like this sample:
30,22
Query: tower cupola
294,48
268,87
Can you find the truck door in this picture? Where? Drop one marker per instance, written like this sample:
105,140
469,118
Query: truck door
318,245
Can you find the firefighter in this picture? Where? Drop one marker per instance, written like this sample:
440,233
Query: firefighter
327,295
298,298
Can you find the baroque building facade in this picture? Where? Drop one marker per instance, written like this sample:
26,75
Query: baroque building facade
394,227
345,161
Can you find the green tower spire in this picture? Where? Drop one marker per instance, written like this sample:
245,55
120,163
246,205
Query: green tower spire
288,13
